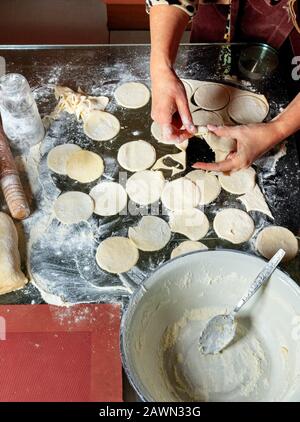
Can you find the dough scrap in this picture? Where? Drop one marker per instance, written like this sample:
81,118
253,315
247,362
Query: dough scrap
151,234
192,223
208,184
234,225
11,276
186,247
180,158
132,95
58,157
117,255
245,109
110,198
212,96
272,238
145,187
101,126
73,207
136,155
238,182
254,200
180,194
85,166
204,118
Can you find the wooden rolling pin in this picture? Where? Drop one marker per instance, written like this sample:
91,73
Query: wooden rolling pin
10,181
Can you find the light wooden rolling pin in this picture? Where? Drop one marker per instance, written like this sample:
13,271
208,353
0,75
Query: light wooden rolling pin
10,182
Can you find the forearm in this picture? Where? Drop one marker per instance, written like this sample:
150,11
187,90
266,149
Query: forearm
288,122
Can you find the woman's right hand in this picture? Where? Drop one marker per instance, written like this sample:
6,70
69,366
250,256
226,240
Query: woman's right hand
170,106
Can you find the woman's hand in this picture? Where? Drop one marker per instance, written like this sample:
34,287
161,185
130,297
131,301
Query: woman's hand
252,141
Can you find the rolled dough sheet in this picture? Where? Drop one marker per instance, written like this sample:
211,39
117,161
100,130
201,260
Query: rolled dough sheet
233,225
208,184
110,198
238,182
101,126
117,255
85,166
179,158
186,247
180,194
272,238
254,200
192,223
132,95
58,157
151,234
212,96
145,187
136,155
73,207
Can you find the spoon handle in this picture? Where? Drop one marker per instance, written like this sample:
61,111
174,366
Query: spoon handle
262,277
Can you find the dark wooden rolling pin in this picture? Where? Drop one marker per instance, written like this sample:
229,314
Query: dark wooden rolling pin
10,181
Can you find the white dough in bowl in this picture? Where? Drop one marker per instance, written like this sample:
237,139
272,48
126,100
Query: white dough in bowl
117,255
186,247
85,166
212,96
238,182
272,238
151,234
101,126
192,223
145,187
180,194
132,95
58,157
73,207
233,225
244,109
136,155
208,184
110,198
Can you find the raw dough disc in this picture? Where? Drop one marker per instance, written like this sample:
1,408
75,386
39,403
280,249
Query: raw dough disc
212,96
136,155
85,166
110,198
233,225
192,223
117,255
132,95
180,194
73,207
204,118
188,89
238,182
151,234
219,143
156,133
186,247
145,187
58,157
101,126
244,109
208,184
273,238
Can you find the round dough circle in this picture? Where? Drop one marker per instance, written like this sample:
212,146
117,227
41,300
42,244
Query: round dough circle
132,95
192,223
110,198
101,126
117,255
238,182
136,155
233,225
273,238
73,207
186,247
180,194
58,157
188,88
145,187
208,184
204,118
151,234
85,166
212,96
244,109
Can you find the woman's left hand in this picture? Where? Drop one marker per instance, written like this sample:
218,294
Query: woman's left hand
252,141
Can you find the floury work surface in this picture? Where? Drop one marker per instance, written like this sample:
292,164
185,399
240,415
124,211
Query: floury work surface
62,258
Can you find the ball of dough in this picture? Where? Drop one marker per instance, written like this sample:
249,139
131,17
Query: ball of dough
110,198
145,187
151,234
58,157
212,96
180,194
204,118
208,184
186,247
238,182
73,207
136,155
192,223
101,126
117,255
233,225
245,109
273,238
85,166
132,95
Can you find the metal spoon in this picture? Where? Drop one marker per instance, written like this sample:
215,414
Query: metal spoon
220,330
